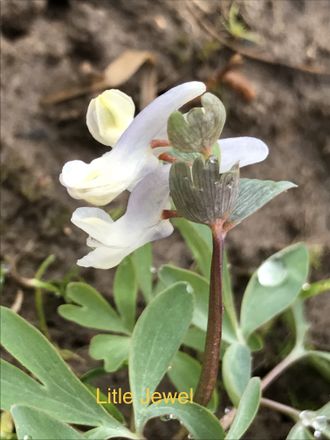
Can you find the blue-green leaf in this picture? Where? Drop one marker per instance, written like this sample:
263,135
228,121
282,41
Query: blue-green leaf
156,338
142,259
200,422
113,349
254,194
31,423
274,287
125,291
91,309
198,239
200,289
236,370
56,389
246,411
299,432
184,373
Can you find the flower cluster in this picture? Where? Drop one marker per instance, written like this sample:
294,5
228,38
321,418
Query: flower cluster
138,163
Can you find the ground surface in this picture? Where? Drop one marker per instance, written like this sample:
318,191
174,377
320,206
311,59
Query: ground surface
48,46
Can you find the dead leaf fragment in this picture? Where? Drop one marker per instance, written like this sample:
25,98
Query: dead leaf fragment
115,74
125,66
240,84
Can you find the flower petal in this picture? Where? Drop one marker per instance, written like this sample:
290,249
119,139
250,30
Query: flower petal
106,257
153,119
149,197
242,150
108,116
141,223
94,221
123,167
103,179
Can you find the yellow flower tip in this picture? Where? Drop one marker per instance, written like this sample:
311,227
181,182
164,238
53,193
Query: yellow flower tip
108,116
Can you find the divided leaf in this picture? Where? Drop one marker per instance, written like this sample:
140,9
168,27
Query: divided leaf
113,349
56,390
91,309
157,336
31,423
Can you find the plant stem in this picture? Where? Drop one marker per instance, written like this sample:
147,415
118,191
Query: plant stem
210,367
279,368
281,408
38,300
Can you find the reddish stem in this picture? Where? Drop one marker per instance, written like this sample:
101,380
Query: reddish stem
210,367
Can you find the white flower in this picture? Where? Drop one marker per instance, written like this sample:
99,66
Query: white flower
132,158
242,150
133,164
108,116
114,240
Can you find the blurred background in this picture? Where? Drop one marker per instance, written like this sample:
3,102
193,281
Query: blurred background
268,60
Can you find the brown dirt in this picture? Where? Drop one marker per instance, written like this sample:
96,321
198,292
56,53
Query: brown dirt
45,47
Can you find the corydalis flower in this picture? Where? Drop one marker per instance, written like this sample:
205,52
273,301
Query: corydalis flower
133,164
142,223
132,157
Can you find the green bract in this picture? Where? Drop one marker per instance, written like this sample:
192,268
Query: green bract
198,129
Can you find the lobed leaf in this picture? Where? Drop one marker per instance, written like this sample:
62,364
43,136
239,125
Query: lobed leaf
31,423
91,309
112,349
156,338
56,390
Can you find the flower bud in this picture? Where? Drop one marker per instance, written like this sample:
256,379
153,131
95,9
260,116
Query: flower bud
200,193
108,116
200,128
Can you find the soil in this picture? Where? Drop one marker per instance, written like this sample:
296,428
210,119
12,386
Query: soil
52,45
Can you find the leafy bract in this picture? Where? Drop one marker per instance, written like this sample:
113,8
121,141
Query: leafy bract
91,309
274,287
156,338
254,194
